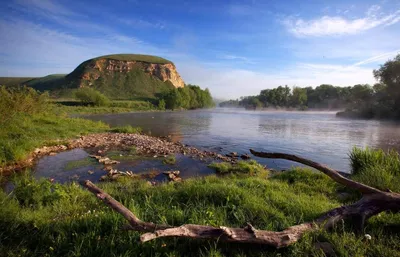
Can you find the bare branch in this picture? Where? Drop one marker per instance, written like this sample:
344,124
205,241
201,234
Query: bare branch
333,174
134,221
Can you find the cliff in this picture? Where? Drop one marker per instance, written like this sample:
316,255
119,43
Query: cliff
122,76
90,71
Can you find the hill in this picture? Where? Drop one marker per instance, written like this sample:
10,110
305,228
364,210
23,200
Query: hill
11,81
120,76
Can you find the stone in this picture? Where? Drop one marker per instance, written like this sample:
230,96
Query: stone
245,156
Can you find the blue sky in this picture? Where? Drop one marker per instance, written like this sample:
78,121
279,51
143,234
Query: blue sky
234,48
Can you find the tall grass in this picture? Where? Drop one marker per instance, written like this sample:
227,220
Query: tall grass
91,96
376,168
27,122
44,219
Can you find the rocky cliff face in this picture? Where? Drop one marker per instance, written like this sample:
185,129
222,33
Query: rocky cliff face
107,67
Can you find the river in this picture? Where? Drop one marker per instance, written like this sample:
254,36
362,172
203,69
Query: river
319,136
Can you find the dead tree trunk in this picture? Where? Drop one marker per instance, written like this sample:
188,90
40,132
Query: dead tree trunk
373,202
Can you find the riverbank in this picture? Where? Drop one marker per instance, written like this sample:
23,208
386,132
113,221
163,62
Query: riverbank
44,219
103,142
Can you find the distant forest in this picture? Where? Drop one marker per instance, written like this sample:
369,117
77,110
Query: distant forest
381,100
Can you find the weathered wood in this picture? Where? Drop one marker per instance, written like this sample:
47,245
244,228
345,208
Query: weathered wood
373,202
333,174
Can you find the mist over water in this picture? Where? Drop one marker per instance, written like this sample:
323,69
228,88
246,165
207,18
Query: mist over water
319,136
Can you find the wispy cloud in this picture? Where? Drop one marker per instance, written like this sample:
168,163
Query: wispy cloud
142,23
338,25
378,58
44,7
236,58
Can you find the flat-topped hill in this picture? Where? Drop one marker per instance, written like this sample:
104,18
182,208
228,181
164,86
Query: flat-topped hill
135,57
118,76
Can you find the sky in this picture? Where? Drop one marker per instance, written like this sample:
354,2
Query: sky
234,48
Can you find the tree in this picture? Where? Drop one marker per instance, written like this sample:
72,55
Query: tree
299,97
389,75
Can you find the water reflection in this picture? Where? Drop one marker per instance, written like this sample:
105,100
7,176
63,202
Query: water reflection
319,136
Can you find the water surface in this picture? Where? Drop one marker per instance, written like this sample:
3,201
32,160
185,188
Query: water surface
320,136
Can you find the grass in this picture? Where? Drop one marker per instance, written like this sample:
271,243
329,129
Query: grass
44,219
125,129
13,81
28,120
170,159
376,168
249,167
26,132
80,163
116,106
135,57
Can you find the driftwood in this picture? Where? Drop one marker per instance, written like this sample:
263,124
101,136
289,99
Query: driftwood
373,202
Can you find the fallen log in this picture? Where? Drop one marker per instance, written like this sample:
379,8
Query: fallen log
373,202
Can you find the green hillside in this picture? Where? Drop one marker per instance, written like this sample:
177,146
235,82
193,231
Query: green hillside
132,84
134,57
12,81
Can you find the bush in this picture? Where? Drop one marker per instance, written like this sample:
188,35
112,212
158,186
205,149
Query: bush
14,100
91,96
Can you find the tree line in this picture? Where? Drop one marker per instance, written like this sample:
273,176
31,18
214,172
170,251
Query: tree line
188,97
381,100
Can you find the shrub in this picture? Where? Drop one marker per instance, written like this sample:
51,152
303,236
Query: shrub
91,96
161,104
14,100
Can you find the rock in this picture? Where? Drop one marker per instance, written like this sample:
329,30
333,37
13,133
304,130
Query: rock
245,156
173,175
52,153
63,147
90,172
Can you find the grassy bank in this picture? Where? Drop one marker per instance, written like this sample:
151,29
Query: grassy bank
29,120
72,106
44,219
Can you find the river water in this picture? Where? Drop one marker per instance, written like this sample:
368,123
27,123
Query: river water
320,136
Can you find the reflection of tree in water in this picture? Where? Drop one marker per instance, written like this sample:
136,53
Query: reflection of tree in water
388,136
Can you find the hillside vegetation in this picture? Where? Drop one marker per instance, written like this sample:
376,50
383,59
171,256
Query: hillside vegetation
124,84
12,81
382,100
134,57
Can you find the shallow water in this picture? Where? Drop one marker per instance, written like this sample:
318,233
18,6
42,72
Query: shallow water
57,167
320,136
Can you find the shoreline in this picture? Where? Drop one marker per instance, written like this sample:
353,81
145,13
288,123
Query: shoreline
144,144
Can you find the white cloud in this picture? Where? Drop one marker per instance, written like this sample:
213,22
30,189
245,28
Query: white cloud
337,25
45,7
